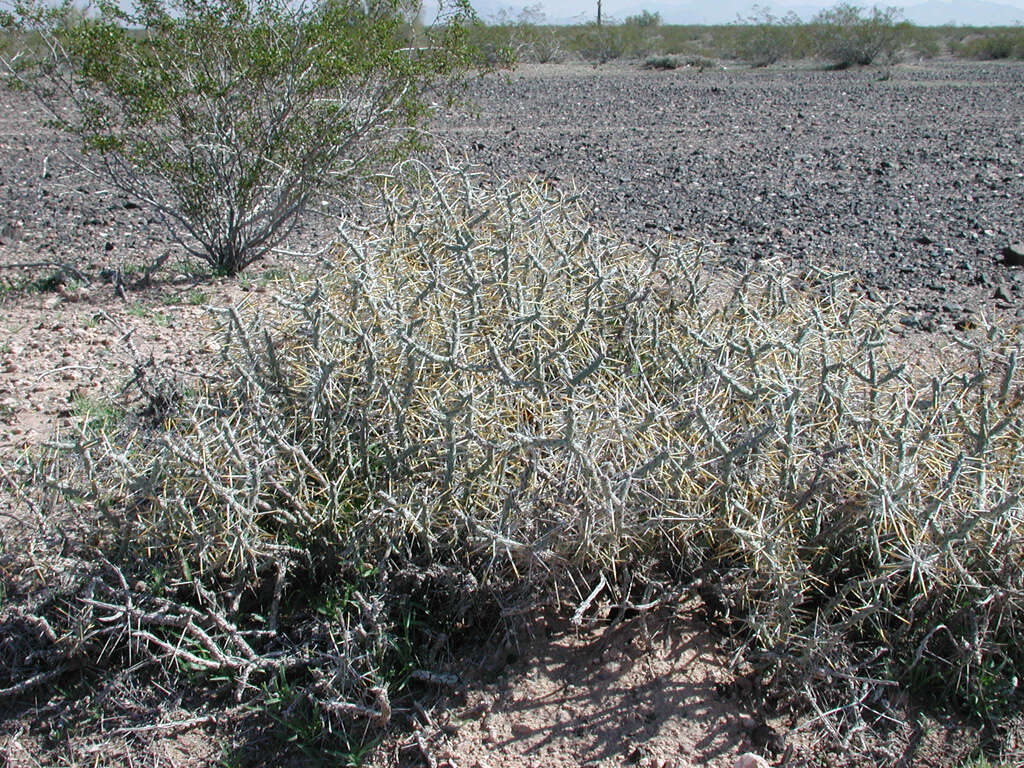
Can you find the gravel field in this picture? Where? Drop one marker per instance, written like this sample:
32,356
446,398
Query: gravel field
910,176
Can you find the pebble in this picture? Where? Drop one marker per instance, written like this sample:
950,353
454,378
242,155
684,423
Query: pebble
1013,254
1002,294
521,729
750,760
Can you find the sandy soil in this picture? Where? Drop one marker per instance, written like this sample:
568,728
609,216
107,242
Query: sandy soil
651,694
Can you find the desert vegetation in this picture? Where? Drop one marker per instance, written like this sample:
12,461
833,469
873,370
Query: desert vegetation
490,401
842,36
993,44
225,117
481,402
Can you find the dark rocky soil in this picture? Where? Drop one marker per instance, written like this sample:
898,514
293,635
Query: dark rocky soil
912,177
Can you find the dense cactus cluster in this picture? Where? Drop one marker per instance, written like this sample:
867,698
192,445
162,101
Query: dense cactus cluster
488,389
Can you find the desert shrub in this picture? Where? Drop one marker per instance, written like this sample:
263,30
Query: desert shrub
845,35
597,43
546,45
946,36
711,41
993,44
701,63
226,116
676,38
922,42
661,62
607,42
489,397
495,44
645,19
764,39
642,33
527,38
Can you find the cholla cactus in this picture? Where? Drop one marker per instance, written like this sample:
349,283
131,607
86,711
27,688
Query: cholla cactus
491,386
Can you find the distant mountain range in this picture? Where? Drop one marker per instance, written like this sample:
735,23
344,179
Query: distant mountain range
929,13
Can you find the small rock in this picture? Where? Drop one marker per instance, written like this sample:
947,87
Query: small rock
9,232
766,738
750,760
521,729
637,755
449,728
1002,294
1013,254
479,711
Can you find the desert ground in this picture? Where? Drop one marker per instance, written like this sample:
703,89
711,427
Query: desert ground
910,177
